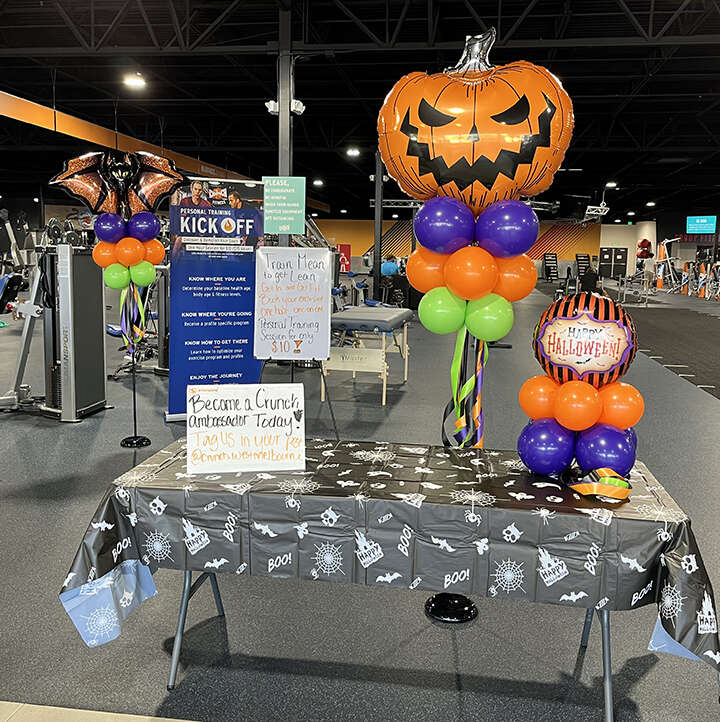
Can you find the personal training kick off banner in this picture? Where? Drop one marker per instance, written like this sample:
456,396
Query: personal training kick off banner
215,226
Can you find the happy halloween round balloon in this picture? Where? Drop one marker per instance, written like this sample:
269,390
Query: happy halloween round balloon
477,132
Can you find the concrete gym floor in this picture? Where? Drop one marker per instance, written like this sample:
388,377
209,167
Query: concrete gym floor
290,651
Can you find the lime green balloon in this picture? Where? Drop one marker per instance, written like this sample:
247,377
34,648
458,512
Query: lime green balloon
143,273
489,318
441,311
116,276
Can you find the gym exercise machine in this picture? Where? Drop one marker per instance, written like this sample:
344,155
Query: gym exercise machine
67,291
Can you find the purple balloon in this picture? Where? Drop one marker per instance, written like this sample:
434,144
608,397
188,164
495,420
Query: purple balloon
545,447
144,226
444,225
603,446
507,228
630,433
110,227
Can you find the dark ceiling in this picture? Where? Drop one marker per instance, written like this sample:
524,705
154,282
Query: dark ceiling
644,76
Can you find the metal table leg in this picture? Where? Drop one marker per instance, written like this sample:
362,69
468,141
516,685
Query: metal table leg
604,615
180,629
189,588
586,627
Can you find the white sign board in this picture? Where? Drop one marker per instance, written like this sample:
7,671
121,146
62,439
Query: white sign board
292,303
245,427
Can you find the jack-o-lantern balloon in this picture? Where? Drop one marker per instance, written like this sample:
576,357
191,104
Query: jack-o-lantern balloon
477,132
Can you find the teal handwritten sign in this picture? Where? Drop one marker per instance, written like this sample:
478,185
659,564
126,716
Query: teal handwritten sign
284,204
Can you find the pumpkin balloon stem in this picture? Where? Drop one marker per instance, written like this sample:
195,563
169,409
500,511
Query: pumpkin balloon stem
476,56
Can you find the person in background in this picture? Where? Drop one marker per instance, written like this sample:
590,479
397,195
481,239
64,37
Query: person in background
196,198
389,267
589,280
649,271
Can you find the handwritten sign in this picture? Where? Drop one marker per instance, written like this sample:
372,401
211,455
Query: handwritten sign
292,303
245,427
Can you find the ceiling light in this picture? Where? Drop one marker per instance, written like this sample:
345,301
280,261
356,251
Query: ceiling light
394,215
617,220
353,152
249,185
36,200
314,215
575,170
318,182
134,80
342,210
631,213
0,197
611,184
650,204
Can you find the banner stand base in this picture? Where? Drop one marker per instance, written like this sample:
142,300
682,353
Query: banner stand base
169,418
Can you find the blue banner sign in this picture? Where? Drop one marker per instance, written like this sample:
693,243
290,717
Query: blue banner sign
212,301
701,224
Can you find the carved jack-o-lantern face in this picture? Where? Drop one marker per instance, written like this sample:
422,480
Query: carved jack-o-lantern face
476,132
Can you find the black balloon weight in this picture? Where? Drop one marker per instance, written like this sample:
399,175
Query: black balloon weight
450,608
135,442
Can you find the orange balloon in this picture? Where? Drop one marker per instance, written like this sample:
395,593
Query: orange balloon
129,251
577,405
464,132
424,269
104,254
154,251
470,273
517,276
537,397
623,405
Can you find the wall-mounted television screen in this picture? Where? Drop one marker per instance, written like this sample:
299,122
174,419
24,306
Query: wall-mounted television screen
700,224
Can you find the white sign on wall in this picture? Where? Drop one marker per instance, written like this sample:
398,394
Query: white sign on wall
245,427
292,303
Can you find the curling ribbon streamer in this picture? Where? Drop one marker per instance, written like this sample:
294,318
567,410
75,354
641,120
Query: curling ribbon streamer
132,316
465,407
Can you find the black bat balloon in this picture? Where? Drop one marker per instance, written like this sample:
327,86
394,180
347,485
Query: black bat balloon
116,182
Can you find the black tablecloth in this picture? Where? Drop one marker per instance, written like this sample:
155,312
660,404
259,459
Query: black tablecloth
400,515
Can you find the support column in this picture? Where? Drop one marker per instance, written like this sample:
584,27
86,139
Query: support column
377,248
285,79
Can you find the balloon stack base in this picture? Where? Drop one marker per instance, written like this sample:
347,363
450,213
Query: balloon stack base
450,608
135,442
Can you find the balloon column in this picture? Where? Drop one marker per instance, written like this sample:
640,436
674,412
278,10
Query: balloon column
580,409
128,253
470,141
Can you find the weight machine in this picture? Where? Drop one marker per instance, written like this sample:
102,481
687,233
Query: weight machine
67,291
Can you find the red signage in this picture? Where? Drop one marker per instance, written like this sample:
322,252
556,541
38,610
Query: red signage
345,251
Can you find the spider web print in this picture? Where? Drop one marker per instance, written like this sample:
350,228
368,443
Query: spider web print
661,513
509,575
101,623
135,477
376,456
472,496
298,486
670,602
328,558
157,546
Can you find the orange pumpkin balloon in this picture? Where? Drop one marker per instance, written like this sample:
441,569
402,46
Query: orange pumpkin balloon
129,251
537,397
517,276
470,273
477,132
424,269
623,405
104,254
154,251
577,405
